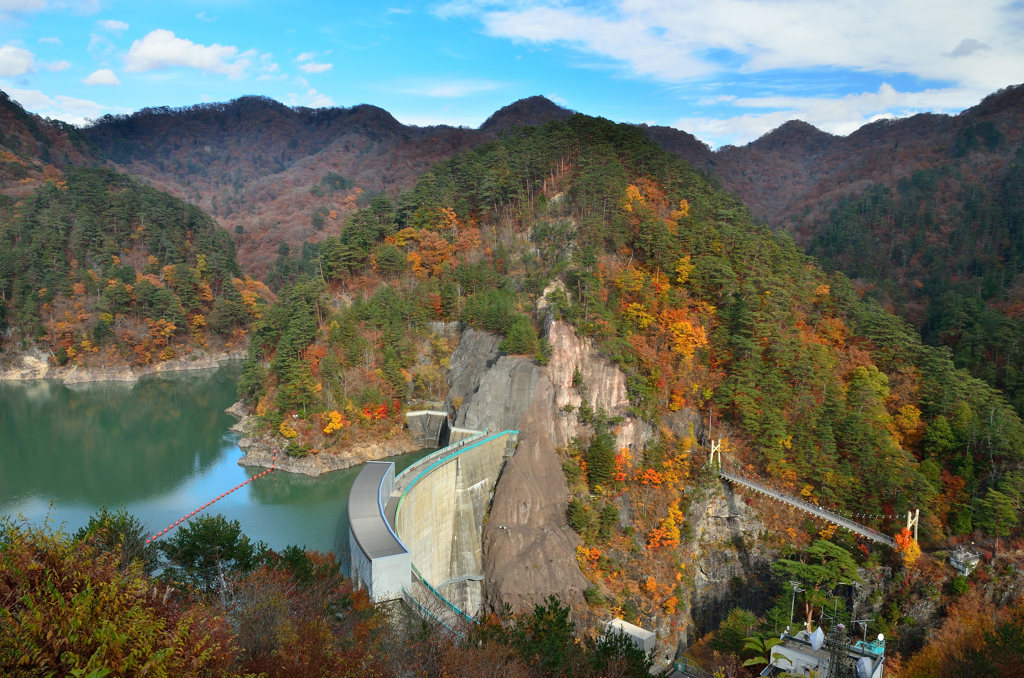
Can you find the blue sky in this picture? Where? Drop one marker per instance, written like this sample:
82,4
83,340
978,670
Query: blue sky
727,71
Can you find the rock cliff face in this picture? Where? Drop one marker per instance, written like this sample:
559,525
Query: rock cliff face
492,390
529,550
605,387
729,566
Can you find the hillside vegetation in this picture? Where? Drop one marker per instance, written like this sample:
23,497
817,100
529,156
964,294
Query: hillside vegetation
830,394
924,213
100,269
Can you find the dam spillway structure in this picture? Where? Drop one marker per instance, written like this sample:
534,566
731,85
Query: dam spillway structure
419,534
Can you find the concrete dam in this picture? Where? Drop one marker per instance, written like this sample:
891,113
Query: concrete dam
418,536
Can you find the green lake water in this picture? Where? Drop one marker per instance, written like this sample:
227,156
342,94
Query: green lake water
162,448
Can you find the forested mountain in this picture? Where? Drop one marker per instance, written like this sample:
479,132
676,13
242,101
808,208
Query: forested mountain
370,230
695,302
102,270
924,213
33,149
258,165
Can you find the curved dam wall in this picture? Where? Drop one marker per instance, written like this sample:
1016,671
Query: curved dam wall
440,516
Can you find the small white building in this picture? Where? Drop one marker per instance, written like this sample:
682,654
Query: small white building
805,652
642,638
964,560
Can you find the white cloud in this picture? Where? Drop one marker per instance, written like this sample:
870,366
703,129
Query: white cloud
270,71
161,49
395,10
31,99
974,48
52,41
313,67
312,98
676,41
68,109
836,115
202,17
307,64
113,26
449,88
15,61
58,65
104,76
318,100
22,5
30,6
557,99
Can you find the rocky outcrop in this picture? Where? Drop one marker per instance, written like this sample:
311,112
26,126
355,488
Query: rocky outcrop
730,568
686,422
529,550
35,364
493,390
604,387
260,450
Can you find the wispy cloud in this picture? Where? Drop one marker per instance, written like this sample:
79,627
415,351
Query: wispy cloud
202,17
312,98
836,115
68,109
447,88
57,66
308,65
112,25
52,41
970,49
162,49
100,46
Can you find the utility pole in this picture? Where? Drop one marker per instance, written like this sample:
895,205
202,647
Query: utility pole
792,606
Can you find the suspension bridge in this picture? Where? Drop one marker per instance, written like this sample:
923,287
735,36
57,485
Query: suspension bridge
806,506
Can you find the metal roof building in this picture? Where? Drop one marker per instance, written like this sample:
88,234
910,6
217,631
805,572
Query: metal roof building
379,559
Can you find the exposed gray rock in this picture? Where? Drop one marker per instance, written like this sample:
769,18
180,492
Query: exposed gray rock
680,422
529,551
605,387
34,364
495,389
730,568
476,353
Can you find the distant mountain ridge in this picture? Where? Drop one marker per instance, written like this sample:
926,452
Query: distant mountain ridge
251,161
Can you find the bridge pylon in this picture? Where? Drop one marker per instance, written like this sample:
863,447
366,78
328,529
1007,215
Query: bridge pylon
912,520
716,450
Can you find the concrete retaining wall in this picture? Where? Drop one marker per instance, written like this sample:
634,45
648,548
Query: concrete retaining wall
429,428
440,517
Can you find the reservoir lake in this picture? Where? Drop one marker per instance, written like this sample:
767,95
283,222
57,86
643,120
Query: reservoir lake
162,447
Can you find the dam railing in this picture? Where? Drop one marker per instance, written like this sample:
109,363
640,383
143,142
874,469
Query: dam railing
807,506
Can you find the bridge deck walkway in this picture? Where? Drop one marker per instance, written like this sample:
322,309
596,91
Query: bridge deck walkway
831,516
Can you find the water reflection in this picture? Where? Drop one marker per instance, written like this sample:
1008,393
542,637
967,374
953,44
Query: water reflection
162,448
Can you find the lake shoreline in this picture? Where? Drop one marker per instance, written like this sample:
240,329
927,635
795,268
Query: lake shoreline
35,365
259,449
